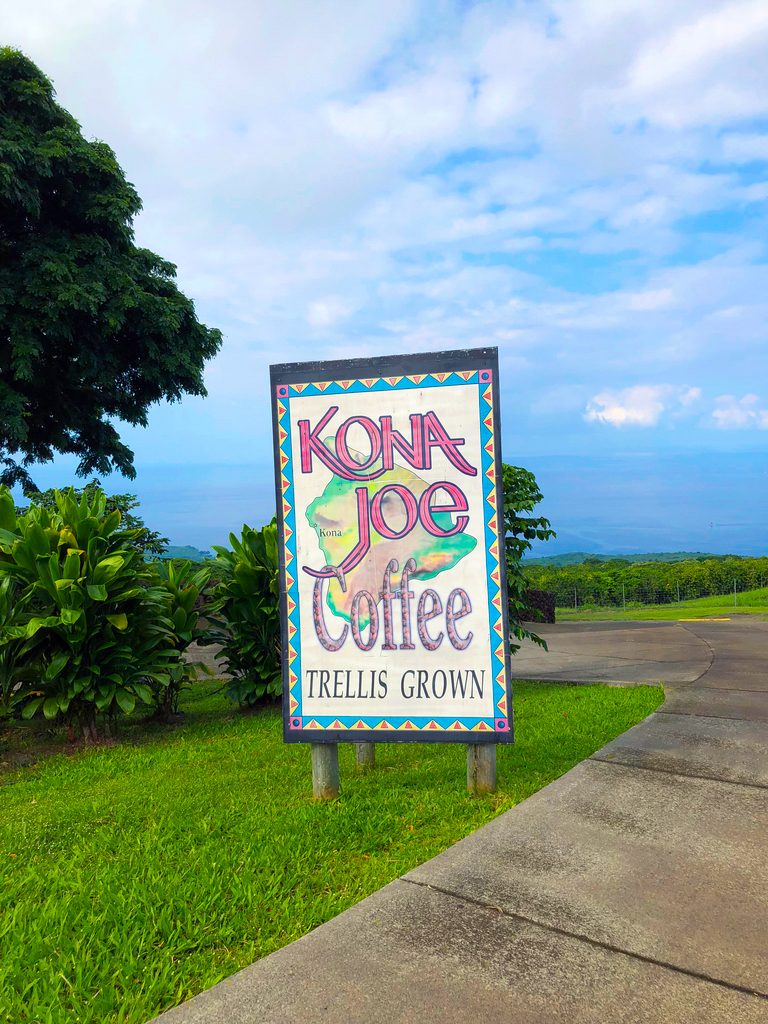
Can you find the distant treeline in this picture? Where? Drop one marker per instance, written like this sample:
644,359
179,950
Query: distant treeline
615,581
185,552
577,557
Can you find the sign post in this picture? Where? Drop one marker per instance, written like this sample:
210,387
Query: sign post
365,755
392,569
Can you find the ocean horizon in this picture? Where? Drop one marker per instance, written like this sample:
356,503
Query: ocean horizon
714,502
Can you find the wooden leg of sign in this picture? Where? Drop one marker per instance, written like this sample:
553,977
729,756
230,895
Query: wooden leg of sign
481,768
325,770
365,755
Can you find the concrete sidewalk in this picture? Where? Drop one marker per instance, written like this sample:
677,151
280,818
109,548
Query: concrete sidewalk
633,889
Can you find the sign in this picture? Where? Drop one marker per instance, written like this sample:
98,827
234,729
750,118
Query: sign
392,570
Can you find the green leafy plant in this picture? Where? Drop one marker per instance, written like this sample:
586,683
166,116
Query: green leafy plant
92,621
183,590
521,495
148,542
17,652
247,603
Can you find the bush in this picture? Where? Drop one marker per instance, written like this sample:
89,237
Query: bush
539,605
84,630
17,662
185,595
147,541
246,601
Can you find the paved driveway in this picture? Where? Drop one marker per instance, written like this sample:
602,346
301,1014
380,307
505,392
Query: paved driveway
718,664
615,652
632,890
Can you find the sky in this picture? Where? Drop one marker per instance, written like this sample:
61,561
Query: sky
581,183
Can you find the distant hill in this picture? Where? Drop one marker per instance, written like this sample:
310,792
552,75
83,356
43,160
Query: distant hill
577,557
186,552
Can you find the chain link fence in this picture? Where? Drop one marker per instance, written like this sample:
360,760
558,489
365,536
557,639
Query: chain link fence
623,596
658,584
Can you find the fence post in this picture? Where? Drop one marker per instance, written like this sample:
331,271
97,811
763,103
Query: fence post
325,770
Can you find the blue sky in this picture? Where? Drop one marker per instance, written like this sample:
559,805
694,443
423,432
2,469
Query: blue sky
581,183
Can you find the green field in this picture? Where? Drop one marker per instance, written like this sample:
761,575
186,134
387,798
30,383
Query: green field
135,875
749,602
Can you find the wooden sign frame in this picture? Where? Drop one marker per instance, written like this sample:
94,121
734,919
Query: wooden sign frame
465,385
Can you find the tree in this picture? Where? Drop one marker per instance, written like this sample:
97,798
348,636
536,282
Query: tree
521,495
92,327
148,542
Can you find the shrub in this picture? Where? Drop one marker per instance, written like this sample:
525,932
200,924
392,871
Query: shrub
17,656
147,541
183,590
246,601
85,611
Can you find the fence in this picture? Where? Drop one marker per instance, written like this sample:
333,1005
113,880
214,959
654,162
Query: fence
623,595
620,584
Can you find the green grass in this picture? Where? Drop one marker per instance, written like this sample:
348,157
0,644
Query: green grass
136,875
749,602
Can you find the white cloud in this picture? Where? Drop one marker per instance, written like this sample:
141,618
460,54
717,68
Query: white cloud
327,312
707,69
650,299
351,177
689,396
745,147
414,114
639,406
734,413
699,44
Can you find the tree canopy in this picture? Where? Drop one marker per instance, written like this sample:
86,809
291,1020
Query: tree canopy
521,495
93,329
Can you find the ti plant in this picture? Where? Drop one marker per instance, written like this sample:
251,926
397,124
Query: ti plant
101,637
246,599
17,651
183,590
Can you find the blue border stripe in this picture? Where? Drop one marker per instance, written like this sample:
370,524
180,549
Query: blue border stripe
452,379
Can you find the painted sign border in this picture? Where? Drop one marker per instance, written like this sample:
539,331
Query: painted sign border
476,368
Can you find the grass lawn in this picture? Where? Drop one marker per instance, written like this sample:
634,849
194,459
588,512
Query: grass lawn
749,602
134,876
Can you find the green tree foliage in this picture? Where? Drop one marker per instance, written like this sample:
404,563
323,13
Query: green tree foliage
92,327
84,613
613,581
246,600
521,496
147,541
